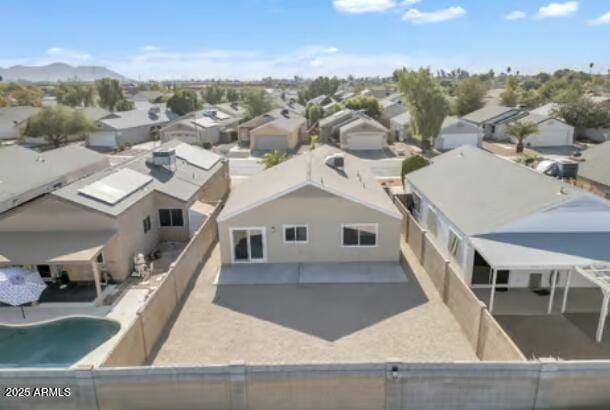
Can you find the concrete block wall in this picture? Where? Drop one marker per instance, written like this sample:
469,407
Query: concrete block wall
435,264
494,343
416,238
130,349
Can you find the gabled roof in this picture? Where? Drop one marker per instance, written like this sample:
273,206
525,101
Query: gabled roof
356,183
337,117
596,164
280,118
449,121
155,115
363,120
490,113
25,174
402,119
11,116
478,191
545,109
184,182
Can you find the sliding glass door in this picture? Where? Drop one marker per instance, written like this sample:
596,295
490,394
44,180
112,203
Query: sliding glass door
248,245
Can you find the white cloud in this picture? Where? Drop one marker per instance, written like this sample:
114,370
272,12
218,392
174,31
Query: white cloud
66,55
331,50
150,48
363,6
407,3
515,15
419,17
603,19
558,9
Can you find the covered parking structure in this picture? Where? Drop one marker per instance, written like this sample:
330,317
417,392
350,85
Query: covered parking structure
585,254
73,251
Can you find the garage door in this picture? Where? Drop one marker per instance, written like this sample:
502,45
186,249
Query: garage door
366,141
271,142
451,141
102,139
554,138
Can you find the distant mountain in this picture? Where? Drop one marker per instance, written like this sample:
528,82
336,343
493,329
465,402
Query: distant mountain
57,72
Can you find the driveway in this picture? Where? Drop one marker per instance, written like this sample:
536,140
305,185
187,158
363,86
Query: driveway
310,273
312,323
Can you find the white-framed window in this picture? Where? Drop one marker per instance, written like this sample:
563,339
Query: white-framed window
359,235
454,244
416,205
432,221
296,233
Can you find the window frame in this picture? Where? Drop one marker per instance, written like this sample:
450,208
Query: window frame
458,243
356,225
170,212
147,223
296,241
432,211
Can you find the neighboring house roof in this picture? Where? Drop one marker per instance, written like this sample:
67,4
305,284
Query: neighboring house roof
534,118
478,191
139,118
596,164
403,119
146,96
281,118
355,182
449,121
26,174
337,117
96,113
318,100
546,109
363,120
182,183
235,109
490,113
11,117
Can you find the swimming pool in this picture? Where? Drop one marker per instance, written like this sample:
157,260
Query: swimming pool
59,343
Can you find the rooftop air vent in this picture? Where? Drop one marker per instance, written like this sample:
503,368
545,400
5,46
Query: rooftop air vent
285,113
336,161
165,158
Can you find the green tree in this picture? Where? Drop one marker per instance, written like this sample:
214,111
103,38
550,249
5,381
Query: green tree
256,102
57,124
412,164
272,159
314,113
76,95
232,95
509,95
213,94
520,130
110,93
583,113
184,101
470,93
426,104
319,86
529,99
21,95
313,141
125,105
368,103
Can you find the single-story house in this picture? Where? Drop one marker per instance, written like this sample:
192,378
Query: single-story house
280,129
594,169
95,226
234,109
546,109
377,92
456,132
329,125
363,133
131,127
322,206
504,224
494,121
391,108
203,126
13,121
26,174
400,126
319,100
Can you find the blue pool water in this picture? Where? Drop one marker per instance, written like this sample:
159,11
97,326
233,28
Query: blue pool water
60,343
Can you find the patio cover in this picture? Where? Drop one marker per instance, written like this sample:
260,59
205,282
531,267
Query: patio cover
543,250
37,248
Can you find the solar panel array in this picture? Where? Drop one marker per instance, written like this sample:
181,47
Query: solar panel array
115,187
197,157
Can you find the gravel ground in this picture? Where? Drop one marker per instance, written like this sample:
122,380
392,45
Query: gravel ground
313,323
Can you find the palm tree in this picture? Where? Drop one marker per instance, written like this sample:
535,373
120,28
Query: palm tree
521,130
591,68
508,70
272,158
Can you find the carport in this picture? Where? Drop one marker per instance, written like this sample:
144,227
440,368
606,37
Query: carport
584,253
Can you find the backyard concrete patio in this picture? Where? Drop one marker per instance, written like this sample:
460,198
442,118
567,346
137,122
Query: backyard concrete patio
310,273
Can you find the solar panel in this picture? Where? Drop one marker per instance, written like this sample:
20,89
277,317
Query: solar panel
197,157
115,187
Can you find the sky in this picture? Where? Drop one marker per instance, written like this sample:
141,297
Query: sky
251,39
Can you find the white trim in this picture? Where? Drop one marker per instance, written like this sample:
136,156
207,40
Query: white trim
223,217
356,225
248,229
295,242
450,231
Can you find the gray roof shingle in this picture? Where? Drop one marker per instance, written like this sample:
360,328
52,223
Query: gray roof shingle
596,164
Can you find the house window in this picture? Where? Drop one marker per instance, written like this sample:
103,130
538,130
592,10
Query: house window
147,224
362,235
296,234
171,217
100,258
432,222
454,243
416,209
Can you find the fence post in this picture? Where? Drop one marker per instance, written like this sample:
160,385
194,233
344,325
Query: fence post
239,387
393,400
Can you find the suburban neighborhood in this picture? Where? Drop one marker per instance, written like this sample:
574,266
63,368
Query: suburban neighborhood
411,212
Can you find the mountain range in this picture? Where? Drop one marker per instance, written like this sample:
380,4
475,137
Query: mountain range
57,72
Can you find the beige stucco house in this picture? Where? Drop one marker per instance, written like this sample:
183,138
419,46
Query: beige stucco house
363,134
280,129
322,206
94,226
